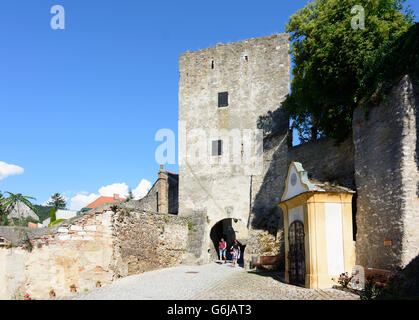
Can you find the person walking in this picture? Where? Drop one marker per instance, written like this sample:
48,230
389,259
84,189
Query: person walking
235,249
222,248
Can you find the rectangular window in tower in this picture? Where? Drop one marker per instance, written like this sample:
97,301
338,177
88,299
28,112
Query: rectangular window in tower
217,147
222,99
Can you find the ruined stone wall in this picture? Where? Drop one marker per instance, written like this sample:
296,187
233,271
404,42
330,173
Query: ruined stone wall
78,251
147,241
100,245
386,174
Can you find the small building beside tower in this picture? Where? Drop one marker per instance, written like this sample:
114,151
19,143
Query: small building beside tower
318,230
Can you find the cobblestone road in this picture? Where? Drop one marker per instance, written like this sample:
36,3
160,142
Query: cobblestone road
266,286
208,282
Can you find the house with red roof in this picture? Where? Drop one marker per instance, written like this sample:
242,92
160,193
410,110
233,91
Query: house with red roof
102,200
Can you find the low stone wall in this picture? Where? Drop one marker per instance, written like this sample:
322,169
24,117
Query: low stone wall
101,245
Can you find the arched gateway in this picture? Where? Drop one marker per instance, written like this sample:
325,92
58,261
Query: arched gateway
230,229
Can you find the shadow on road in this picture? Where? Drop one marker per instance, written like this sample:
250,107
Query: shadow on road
276,275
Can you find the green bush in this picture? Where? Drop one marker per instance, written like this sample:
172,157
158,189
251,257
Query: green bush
52,215
56,222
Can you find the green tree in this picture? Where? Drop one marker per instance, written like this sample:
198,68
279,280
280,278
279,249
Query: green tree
11,202
4,221
329,58
57,202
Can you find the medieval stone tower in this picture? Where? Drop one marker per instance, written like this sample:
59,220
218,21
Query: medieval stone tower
224,91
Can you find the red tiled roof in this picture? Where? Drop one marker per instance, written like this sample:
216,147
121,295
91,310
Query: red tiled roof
101,200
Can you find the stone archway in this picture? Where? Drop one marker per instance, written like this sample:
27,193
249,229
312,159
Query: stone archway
230,229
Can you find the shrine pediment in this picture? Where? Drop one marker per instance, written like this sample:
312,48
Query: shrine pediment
297,181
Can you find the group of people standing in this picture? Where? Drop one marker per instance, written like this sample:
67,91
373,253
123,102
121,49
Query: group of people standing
234,251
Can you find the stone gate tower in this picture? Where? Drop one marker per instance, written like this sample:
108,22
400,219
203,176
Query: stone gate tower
223,91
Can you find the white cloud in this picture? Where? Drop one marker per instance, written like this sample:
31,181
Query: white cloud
9,170
82,199
116,188
143,187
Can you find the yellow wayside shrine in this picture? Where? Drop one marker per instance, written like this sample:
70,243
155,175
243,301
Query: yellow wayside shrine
319,242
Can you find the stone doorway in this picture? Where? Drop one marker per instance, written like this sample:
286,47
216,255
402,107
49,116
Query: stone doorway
230,230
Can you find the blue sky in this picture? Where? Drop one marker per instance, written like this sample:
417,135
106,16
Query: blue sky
80,106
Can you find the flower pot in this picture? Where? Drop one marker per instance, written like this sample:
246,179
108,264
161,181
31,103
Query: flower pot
73,289
98,285
52,294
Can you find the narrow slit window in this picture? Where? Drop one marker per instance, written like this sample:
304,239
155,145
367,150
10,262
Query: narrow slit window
246,58
212,64
222,99
217,147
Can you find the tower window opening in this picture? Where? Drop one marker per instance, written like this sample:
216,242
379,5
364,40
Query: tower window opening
217,147
212,64
246,58
222,99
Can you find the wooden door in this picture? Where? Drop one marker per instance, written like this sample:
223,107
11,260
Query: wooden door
296,253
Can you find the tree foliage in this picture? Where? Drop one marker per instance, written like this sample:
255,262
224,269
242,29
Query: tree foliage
9,203
57,201
4,221
392,61
2,210
43,212
330,59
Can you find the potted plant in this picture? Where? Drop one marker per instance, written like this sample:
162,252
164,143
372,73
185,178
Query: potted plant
98,284
73,288
27,297
52,293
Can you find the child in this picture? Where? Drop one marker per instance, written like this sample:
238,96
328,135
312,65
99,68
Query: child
234,255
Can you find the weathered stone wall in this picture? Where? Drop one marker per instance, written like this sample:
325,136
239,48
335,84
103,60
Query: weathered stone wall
326,161
197,239
149,202
145,241
78,251
100,245
386,174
